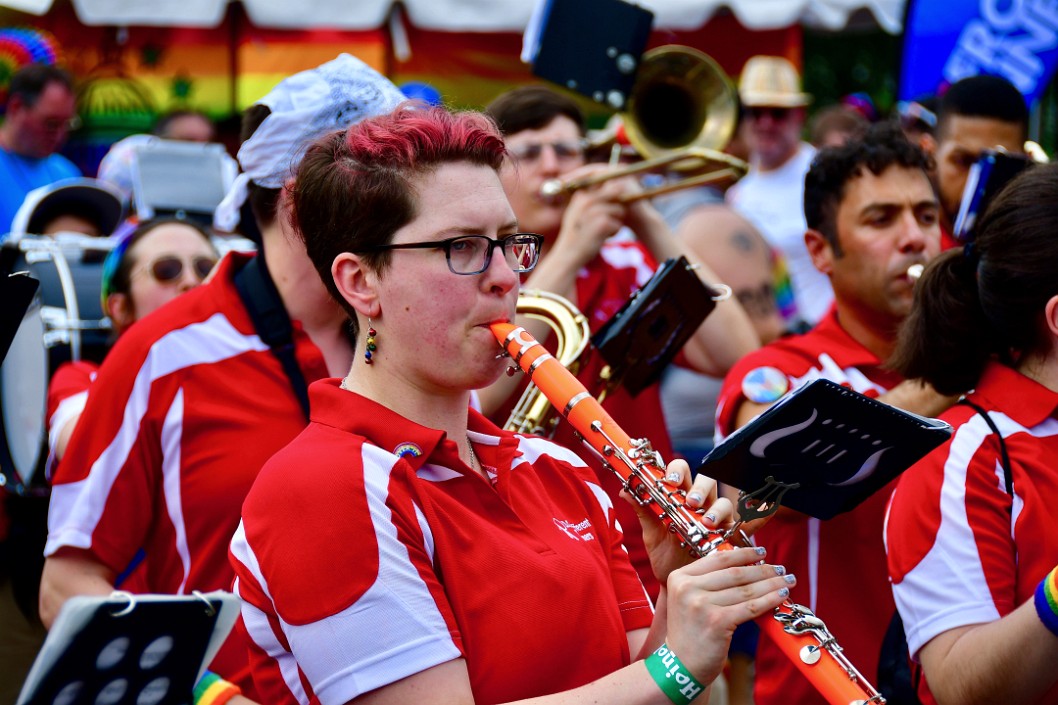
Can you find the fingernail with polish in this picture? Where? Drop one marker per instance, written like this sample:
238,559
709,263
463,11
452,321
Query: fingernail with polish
780,570
710,517
784,592
760,550
673,477
791,579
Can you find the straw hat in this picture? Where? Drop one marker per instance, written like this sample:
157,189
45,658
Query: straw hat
771,82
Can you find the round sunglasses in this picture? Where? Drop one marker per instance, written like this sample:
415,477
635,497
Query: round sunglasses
169,268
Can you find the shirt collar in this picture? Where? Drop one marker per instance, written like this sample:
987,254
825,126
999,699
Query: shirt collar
854,354
1023,399
351,412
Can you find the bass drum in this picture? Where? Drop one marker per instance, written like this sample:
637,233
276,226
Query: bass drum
64,323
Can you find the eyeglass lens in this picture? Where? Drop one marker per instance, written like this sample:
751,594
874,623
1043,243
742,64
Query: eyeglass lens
473,254
167,269
532,151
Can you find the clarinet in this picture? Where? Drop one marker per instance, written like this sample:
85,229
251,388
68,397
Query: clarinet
802,636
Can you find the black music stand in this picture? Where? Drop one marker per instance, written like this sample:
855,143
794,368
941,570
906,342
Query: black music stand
641,339
592,47
180,179
129,649
823,449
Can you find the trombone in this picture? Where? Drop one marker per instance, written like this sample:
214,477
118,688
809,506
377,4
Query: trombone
681,112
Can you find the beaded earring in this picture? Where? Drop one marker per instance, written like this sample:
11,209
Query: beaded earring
370,346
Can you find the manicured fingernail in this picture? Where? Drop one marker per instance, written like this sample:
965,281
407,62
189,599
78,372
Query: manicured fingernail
760,550
780,570
710,517
673,477
784,592
791,579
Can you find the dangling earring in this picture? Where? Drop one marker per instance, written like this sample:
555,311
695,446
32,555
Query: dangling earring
370,347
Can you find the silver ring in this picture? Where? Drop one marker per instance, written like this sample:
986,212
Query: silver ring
127,609
210,609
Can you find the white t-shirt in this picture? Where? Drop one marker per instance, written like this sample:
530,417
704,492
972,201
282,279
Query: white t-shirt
774,202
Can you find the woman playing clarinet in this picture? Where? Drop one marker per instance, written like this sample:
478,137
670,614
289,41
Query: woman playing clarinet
403,548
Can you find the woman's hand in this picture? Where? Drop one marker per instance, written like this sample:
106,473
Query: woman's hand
663,546
709,598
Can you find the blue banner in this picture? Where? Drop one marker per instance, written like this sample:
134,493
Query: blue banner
947,40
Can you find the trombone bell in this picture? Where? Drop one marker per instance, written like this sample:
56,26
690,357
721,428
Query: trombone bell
681,98
681,112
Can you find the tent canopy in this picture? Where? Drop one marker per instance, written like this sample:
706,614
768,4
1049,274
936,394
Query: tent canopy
460,15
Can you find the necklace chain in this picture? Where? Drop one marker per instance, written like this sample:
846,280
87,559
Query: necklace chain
475,463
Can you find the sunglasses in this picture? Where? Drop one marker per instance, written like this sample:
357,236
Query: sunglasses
169,268
776,114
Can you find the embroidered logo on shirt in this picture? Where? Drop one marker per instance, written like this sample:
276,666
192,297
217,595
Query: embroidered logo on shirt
407,449
579,532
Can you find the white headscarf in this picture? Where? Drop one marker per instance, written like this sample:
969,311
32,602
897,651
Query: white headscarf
305,106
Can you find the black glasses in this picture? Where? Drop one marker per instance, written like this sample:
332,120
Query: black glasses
168,268
472,254
776,114
531,151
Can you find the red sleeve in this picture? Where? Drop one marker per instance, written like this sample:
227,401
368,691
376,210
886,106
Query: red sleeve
103,488
71,378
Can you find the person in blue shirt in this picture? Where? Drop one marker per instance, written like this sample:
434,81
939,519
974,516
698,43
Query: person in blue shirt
40,109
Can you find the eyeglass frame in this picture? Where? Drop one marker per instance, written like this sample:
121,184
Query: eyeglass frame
580,146
446,245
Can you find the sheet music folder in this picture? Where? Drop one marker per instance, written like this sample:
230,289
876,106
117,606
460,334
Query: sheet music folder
837,446
129,649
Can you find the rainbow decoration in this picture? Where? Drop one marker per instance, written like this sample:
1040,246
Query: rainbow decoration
20,46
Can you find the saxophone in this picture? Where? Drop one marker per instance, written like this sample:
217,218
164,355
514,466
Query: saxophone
533,413
801,635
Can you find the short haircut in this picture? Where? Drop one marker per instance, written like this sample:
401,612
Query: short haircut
991,97
883,146
29,82
532,108
353,189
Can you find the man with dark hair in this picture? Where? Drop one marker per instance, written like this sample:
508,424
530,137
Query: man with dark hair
975,114
871,215
544,131
40,109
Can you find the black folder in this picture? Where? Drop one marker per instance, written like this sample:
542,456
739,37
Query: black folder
824,448
129,649
641,339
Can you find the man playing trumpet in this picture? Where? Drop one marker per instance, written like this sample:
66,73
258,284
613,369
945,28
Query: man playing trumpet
873,219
